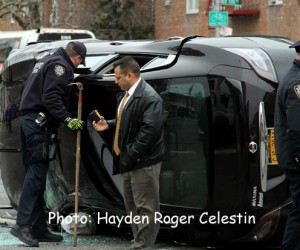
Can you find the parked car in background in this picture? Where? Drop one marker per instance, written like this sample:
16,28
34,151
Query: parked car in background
220,170
10,40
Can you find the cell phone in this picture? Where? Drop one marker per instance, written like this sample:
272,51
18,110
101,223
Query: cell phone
95,116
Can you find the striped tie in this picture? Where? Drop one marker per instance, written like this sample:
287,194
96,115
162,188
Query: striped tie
116,140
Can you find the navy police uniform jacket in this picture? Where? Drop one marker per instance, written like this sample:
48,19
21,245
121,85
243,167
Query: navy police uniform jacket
46,88
287,118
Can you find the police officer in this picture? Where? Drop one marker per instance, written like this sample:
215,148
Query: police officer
287,140
44,104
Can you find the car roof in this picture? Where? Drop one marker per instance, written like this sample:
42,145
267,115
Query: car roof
95,46
276,47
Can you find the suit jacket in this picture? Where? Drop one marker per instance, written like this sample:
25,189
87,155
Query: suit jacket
141,130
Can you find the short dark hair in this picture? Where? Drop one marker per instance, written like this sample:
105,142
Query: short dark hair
126,64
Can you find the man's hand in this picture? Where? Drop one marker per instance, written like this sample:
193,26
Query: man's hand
101,125
74,123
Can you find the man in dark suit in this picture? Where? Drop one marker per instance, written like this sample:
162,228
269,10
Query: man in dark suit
138,148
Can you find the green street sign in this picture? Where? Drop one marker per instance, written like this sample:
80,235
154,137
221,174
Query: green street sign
230,2
218,18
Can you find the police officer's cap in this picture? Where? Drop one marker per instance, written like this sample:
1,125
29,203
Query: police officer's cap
296,45
79,48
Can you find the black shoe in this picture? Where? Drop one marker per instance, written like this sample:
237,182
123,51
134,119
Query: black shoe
24,235
47,237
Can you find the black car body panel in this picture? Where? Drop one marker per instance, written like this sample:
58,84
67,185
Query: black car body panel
219,96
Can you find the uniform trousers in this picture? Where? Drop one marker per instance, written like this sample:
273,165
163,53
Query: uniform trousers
141,197
291,240
34,141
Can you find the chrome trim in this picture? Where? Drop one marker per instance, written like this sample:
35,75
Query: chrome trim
263,147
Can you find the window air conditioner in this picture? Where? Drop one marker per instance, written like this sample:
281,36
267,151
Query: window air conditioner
168,2
275,2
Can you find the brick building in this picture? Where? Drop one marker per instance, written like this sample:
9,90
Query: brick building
52,13
78,14
256,17
177,17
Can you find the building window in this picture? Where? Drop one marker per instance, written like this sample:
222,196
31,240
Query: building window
192,6
168,2
54,16
275,2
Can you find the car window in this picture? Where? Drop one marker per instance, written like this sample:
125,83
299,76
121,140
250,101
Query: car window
91,60
62,36
158,61
6,46
184,174
145,62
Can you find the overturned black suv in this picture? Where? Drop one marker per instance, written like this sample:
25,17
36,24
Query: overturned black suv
219,182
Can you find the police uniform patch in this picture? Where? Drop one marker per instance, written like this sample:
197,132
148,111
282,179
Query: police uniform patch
59,70
297,90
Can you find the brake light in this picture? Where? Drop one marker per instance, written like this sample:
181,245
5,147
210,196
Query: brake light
267,225
259,60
